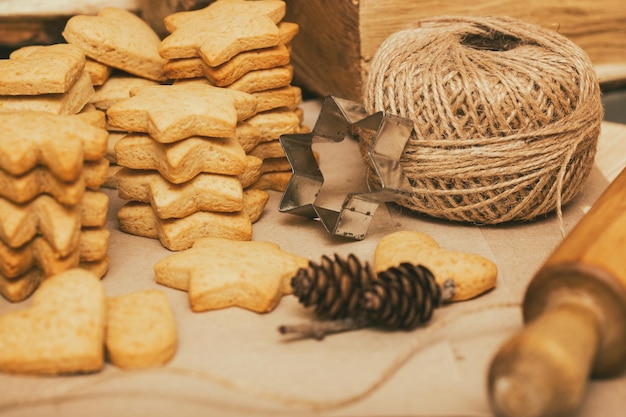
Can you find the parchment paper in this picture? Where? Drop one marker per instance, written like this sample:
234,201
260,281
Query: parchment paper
234,362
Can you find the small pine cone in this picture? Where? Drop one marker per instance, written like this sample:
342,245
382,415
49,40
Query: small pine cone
334,287
402,297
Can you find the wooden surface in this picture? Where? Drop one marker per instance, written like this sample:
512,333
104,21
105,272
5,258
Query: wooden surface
335,60
234,363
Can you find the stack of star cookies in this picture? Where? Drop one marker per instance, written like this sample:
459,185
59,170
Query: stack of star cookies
116,88
184,166
243,46
56,79
52,216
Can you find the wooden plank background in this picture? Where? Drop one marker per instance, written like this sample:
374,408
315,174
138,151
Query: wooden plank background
338,39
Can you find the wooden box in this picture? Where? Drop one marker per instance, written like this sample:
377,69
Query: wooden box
338,38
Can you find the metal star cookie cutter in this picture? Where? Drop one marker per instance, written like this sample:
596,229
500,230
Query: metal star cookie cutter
335,120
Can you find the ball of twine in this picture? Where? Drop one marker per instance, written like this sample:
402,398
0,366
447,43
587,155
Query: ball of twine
506,115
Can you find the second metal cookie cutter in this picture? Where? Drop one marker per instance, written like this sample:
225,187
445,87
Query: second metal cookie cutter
335,120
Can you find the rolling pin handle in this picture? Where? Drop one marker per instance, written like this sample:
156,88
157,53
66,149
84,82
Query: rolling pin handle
543,370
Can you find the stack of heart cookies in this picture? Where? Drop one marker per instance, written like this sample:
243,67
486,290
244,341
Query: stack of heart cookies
49,79
52,216
244,46
98,72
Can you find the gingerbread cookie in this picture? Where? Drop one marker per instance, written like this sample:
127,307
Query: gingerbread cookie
141,330
472,274
62,332
59,225
67,103
221,273
40,180
120,39
227,73
116,89
178,234
181,161
171,113
61,144
222,30
41,70
204,192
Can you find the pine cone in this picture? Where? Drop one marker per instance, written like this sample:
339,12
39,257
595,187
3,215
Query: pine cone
347,293
401,297
333,287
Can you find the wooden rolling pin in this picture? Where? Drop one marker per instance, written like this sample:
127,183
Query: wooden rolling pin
574,312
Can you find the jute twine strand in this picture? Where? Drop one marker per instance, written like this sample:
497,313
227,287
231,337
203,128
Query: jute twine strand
507,116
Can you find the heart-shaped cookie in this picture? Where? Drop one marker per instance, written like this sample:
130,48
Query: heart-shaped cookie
472,274
120,39
49,69
61,332
141,329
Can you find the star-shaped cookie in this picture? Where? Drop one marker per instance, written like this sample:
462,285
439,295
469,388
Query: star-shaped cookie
40,180
272,124
239,65
204,192
222,30
170,113
61,143
245,62
44,216
17,289
181,161
268,149
177,234
39,254
287,98
220,273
